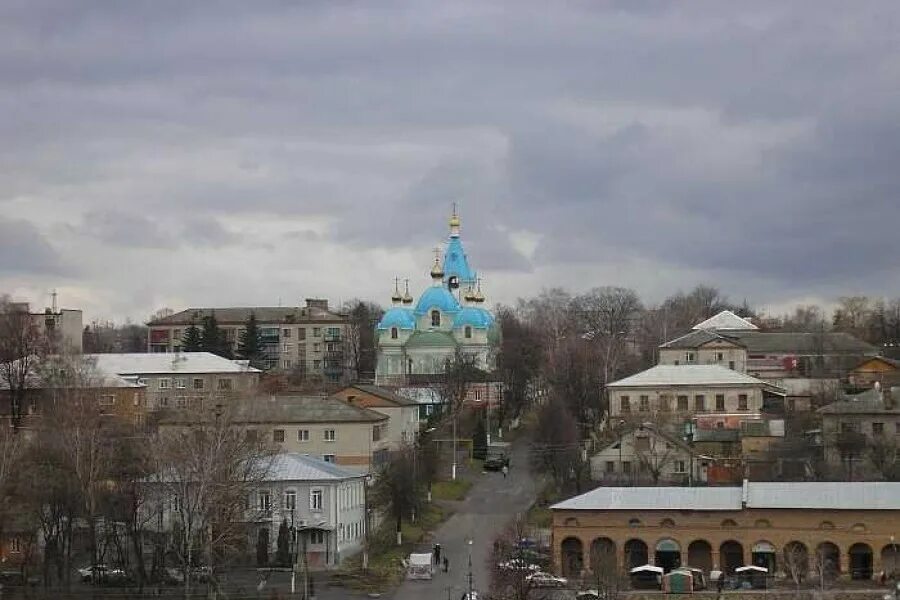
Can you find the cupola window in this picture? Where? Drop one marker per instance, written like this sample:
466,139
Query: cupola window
394,333
435,318
468,332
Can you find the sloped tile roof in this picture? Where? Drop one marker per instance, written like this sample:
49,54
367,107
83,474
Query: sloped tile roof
384,394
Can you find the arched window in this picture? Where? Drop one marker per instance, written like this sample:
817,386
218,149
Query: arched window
468,332
667,523
394,333
826,525
435,318
634,522
762,523
571,522
729,523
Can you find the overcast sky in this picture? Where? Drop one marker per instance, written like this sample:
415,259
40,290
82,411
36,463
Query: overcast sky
230,153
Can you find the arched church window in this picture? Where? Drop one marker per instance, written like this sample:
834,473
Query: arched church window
435,318
468,332
394,333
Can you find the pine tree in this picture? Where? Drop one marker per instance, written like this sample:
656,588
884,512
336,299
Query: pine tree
191,340
212,338
250,343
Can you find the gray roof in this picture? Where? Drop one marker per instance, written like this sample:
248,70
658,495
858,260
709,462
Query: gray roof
687,375
293,466
384,394
655,498
164,363
238,315
861,495
868,402
289,409
726,320
761,342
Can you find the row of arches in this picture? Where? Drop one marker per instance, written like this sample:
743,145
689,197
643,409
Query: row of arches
794,558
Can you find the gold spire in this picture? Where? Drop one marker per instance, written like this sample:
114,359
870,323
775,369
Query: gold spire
478,296
454,222
407,297
437,271
469,295
395,297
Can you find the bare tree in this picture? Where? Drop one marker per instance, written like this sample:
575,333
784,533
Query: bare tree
22,343
653,452
551,313
509,565
572,375
607,317
520,361
883,453
556,449
398,488
460,371
605,576
796,561
360,336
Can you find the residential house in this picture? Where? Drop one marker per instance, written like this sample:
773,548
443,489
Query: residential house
779,526
402,413
643,455
687,391
181,380
309,340
730,341
322,426
879,369
860,434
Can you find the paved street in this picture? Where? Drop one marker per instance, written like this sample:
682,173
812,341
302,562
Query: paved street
492,502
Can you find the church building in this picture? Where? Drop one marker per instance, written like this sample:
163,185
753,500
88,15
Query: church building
417,337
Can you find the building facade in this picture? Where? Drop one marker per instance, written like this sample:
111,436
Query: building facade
402,413
417,337
788,528
181,380
310,340
62,327
861,434
643,455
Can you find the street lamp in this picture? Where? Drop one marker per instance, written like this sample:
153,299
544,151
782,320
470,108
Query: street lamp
470,595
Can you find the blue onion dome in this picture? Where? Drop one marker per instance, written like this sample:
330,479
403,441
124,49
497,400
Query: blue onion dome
473,316
437,297
401,318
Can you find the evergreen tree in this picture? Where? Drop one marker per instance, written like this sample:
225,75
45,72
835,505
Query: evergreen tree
212,338
479,441
282,554
191,341
250,343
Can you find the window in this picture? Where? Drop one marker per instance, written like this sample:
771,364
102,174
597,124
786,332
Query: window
645,404
720,356
731,365
181,402
286,363
286,333
625,404
264,501
316,536
315,500
290,500
328,458
877,428
897,427
395,333
180,383
682,402
329,435
699,403
435,318
468,332
317,365
317,347
317,332
680,467
286,347
665,403
164,401
626,466
303,435
376,433
610,466
301,334
176,333
688,357
720,402
225,384
742,401
15,545
278,435
198,383
107,400
163,383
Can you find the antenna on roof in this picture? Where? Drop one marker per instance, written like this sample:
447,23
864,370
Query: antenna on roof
53,303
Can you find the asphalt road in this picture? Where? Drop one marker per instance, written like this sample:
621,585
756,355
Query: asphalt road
491,504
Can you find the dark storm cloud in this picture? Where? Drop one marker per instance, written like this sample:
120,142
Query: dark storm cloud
736,141
24,251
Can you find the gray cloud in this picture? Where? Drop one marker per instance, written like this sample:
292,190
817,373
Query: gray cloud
25,251
750,145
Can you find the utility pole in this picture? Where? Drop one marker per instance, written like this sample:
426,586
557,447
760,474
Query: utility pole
469,597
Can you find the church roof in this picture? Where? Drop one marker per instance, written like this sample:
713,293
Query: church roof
431,339
437,297
456,263
401,318
725,320
473,316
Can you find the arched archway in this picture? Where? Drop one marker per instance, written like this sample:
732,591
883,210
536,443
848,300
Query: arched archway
636,554
890,560
796,561
668,554
700,555
763,554
603,555
860,561
572,552
731,556
828,560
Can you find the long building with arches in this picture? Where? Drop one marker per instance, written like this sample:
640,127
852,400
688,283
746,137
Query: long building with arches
847,529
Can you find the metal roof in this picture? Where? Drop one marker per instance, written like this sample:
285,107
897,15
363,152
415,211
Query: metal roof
837,495
868,402
265,315
293,466
662,375
383,393
288,410
162,363
655,498
725,320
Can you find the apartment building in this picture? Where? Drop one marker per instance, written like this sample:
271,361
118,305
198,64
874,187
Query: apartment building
62,327
689,391
181,380
402,413
853,426
310,339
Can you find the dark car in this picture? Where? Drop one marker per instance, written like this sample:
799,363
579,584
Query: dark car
495,463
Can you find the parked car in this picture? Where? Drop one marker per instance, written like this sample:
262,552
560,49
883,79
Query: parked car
539,579
518,564
495,463
102,574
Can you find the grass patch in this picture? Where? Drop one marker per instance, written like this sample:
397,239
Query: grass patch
450,490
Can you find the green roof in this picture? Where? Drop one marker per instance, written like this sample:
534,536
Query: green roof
431,339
